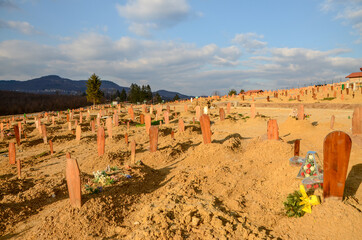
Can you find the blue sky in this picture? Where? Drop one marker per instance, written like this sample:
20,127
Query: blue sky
193,47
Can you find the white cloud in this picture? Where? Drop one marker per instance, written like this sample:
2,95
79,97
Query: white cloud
170,65
349,11
23,27
249,41
147,15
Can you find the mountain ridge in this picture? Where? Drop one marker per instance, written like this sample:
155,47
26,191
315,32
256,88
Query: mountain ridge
52,84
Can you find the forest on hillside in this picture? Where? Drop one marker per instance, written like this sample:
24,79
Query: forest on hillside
19,102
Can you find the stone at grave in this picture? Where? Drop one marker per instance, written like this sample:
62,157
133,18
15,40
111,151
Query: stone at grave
181,125
17,135
205,110
166,117
51,147
153,138
228,107
78,133
73,182
357,121
332,121
301,112
198,113
296,147
252,110
273,132
12,153
101,144
336,151
142,119
205,128
222,114
148,123
44,133
133,151
109,127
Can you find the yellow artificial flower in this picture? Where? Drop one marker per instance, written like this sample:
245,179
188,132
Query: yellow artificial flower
307,201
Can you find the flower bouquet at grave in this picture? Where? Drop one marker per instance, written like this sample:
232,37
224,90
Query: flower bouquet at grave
313,182
310,166
299,203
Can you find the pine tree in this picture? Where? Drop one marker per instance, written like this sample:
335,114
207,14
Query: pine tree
94,94
176,97
123,96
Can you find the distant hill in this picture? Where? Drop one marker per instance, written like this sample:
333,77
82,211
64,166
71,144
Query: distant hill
55,84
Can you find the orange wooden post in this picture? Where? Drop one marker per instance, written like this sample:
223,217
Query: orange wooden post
101,141
51,147
133,151
142,119
357,121
67,155
153,138
252,110
93,126
181,125
222,114
73,182
205,128
332,121
273,132
109,127
148,123
17,136
198,114
296,147
78,133
12,153
301,112
336,151
172,134
126,138
228,107
44,132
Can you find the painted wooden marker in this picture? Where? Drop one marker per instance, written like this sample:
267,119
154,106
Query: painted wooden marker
73,182
51,147
205,128
78,133
12,153
336,151
181,125
17,134
198,113
333,118
101,141
142,119
44,132
357,121
222,114
301,112
153,138
133,151
296,147
148,123
273,132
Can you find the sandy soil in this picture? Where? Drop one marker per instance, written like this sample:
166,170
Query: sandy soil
233,188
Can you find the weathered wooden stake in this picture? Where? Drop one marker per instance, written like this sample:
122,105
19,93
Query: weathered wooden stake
73,182
153,138
51,147
222,114
142,119
252,110
205,128
133,151
181,125
17,135
78,133
126,138
301,112
148,123
336,151
357,121
44,132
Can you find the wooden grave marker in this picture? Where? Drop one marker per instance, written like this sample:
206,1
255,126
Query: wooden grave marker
336,150
72,174
273,132
301,112
296,147
17,134
181,125
357,121
51,147
44,132
148,123
222,114
12,153
101,144
153,138
78,133
109,127
205,128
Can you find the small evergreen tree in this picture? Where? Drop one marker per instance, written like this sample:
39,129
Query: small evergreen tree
94,94
242,91
232,91
123,96
176,97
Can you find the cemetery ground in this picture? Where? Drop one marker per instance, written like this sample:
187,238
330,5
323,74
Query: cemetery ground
232,188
